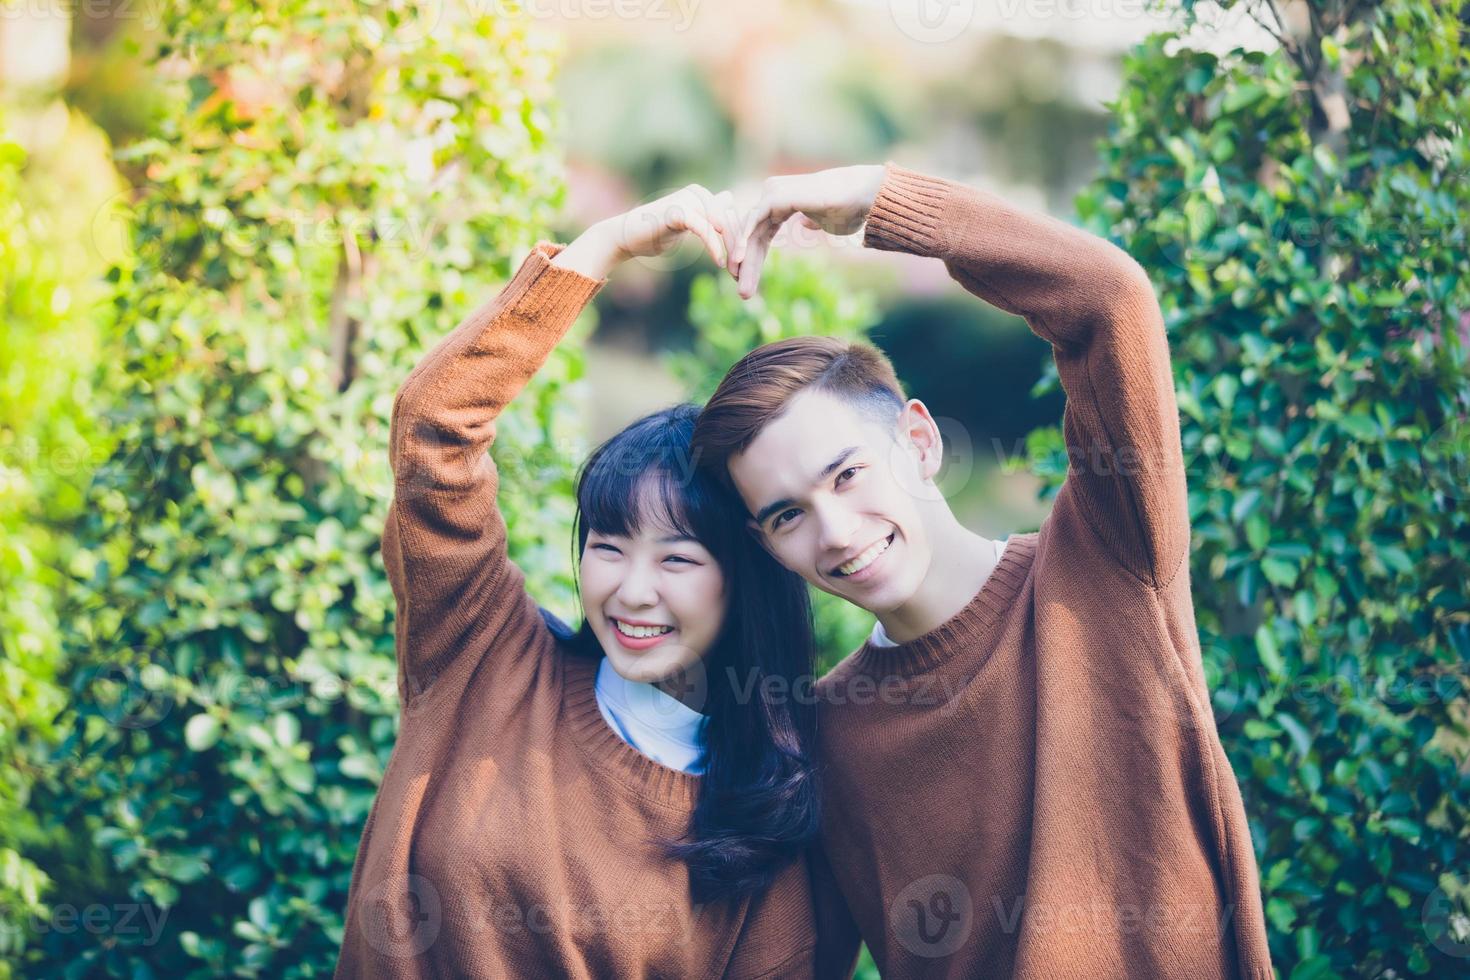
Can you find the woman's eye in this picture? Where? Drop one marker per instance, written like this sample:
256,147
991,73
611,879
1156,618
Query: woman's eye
606,547
681,558
847,474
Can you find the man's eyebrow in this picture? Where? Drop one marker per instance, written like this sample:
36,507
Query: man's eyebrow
841,458
771,508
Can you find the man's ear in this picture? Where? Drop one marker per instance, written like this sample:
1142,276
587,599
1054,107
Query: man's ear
918,430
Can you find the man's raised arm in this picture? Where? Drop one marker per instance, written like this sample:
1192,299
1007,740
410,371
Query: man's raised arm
1097,308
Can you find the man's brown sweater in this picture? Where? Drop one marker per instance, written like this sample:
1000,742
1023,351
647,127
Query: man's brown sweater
1035,788
514,833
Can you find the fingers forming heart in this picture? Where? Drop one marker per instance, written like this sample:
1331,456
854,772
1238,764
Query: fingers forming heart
719,210
759,243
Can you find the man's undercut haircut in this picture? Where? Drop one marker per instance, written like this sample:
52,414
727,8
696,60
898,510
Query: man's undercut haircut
762,384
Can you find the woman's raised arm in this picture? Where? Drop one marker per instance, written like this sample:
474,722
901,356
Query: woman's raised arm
444,541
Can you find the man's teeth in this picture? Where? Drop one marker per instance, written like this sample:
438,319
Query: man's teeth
641,631
865,559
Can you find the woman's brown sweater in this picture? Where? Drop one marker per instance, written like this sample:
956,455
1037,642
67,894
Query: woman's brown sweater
514,833
1035,788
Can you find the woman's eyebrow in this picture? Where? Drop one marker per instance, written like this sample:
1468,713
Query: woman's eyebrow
678,539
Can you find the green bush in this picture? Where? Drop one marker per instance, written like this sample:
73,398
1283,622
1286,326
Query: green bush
48,278
1302,215
336,186
28,694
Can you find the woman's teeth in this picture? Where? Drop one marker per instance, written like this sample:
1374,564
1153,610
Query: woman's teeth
865,559
639,632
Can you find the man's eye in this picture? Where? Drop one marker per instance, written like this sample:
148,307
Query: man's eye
782,517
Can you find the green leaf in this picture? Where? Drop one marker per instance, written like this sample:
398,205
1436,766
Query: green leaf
202,732
1301,739
1315,968
1279,572
259,911
182,868
1258,531
1241,96
1245,504
300,776
1396,558
1281,914
1269,651
1361,426
1260,730
1226,387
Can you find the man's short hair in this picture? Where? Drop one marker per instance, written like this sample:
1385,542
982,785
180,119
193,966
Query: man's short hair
762,384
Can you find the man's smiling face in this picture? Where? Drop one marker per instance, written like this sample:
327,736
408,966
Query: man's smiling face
835,496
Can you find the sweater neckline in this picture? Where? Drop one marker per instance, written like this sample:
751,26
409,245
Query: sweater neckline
972,624
656,724
607,749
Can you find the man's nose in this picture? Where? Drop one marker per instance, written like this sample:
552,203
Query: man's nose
838,525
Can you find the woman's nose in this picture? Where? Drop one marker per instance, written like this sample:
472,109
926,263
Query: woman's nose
638,587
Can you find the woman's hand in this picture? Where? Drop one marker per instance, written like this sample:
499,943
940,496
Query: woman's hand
655,228
836,201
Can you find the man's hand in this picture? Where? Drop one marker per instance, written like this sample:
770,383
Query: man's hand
836,201
655,228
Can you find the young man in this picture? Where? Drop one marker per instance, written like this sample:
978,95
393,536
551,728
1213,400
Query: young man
1022,773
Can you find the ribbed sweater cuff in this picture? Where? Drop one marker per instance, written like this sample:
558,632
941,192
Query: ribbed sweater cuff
540,291
544,299
905,216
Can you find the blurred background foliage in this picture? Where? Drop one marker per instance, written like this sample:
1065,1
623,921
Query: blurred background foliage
50,285
206,325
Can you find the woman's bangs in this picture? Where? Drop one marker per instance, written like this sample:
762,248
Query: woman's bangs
623,503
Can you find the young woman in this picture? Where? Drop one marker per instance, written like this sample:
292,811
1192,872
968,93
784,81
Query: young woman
627,800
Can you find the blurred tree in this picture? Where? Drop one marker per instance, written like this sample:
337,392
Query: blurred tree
107,79
29,697
55,181
1302,214
974,363
1018,109
335,186
649,115
831,107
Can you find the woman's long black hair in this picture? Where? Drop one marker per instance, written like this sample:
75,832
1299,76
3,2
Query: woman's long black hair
758,801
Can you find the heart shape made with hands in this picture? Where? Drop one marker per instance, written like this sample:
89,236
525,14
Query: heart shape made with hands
835,201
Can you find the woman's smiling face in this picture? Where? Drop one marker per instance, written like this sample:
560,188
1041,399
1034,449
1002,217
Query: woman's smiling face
655,599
